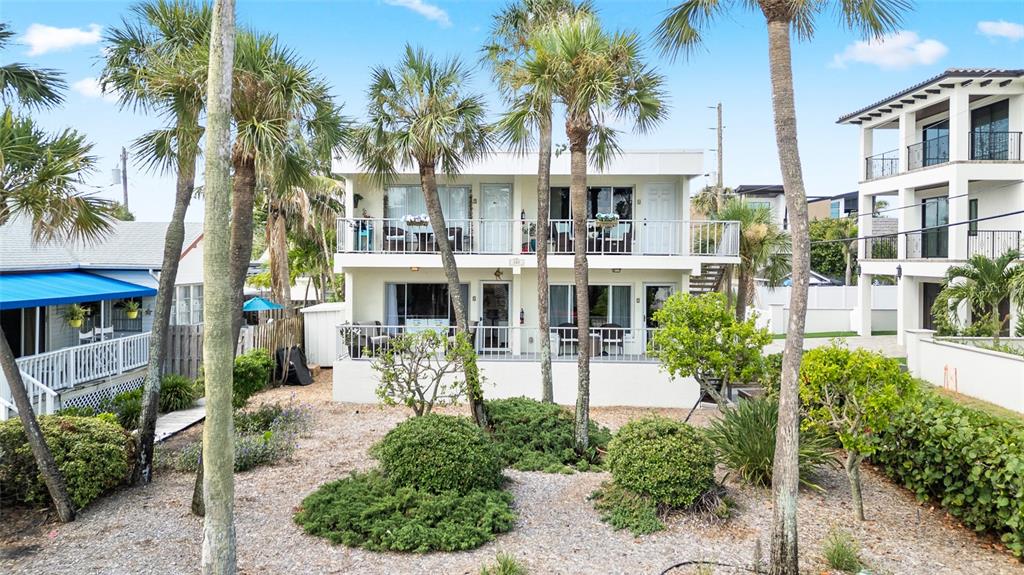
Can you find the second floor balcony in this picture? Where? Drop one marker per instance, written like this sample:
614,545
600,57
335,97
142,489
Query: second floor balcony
934,244
487,236
983,146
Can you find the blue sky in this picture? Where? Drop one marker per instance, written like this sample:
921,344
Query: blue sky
345,39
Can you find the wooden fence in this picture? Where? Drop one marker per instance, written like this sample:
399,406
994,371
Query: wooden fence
184,353
281,328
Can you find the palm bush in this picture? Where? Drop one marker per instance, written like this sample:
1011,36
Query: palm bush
744,440
176,392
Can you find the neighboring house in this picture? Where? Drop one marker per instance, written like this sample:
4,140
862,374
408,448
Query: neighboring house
771,196
394,278
73,365
833,207
958,158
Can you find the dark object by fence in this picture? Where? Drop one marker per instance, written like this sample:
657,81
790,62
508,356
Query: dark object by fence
291,367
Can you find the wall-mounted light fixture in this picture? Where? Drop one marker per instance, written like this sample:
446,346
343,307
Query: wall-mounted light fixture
414,269
616,270
899,272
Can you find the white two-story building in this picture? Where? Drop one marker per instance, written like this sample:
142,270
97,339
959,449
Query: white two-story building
950,171
641,249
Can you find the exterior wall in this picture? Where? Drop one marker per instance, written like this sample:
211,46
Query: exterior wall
628,384
987,375
819,210
831,308
320,323
190,267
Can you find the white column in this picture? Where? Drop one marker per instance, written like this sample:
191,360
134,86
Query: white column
907,137
958,212
908,307
517,304
865,208
864,305
866,150
959,125
350,291
905,219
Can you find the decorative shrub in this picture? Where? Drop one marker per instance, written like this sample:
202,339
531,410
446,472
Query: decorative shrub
371,511
667,460
771,379
842,552
623,509
969,461
421,370
744,440
127,406
538,436
251,374
176,392
505,564
92,454
437,453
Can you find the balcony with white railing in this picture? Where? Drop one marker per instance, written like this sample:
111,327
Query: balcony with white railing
609,343
47,373
636,237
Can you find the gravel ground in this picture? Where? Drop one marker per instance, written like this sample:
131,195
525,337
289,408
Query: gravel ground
150,530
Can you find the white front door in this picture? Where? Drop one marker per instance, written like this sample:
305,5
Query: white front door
495,311
496,218
660,226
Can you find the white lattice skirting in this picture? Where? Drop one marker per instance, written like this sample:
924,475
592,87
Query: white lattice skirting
95,395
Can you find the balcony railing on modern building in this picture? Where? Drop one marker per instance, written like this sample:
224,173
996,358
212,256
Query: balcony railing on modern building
930,152
934,243
993,243
882,165
882,247
995,146
608,342
485,236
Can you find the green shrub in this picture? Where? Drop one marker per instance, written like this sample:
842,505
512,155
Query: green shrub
841,552
176,392
84,411
251,374
744,440
438,453
127,406
667,460
969,461
368,510
92,454
537,436
771,378
505,564
623,509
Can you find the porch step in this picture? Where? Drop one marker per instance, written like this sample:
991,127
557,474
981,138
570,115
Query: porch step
709,280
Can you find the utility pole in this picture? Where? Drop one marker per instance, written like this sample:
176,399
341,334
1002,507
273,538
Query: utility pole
124,166
720,191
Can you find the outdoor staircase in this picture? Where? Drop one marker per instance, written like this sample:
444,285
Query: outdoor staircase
709,279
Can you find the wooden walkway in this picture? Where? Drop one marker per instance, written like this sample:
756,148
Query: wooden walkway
169,424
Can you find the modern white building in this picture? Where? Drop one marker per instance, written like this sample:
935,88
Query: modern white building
942,153
645,249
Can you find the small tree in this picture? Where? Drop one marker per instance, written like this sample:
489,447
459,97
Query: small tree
700,337
420,370
851,394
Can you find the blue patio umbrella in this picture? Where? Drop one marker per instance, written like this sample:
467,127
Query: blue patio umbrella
260,304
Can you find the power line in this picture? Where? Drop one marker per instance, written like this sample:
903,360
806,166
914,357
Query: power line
930,228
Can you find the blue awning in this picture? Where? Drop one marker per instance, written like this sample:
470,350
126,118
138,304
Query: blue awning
42,289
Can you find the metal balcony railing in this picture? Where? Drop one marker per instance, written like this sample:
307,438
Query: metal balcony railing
882,165
993,243
882,248
930,152
995,145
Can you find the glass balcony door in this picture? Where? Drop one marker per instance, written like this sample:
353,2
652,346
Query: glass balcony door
934,242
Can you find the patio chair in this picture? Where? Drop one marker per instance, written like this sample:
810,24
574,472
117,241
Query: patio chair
563,238
619,239
85,336
613,334
568,335
395,239
455,238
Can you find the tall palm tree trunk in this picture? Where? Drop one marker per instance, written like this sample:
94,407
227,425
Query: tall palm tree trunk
578,203
218,555
785,473
543,231
428,180
741,291
37,443
280,277
173,244
243,190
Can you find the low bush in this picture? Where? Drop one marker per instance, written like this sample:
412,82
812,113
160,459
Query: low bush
176,393
537,436
92,454
371,511
969,461
438,453
666,460
771,378
127,406
251,374
744,440
842,552
505,564
84,411
623,509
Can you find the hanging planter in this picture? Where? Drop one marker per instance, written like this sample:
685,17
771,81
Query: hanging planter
73,315
414,220
131,308
606,221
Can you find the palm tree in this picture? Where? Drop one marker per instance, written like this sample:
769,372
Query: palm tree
595,75
683,29
219,303
981,285
276,98
157,64
530,96
419,115
38,174
764,249
844,232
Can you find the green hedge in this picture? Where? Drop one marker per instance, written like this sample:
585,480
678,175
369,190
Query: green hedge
251,374
93,455
969,461
537,436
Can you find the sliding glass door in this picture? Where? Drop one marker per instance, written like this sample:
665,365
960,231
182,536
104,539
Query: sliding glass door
609,305
419,306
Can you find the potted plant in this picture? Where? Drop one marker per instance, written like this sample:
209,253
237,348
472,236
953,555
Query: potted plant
607,220
73,315
131,308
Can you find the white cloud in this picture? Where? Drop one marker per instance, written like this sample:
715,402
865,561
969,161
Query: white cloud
425,9
1001,29
895,51
42,38
90,88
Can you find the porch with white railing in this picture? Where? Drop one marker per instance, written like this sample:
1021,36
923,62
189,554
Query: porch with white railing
637,237
46,374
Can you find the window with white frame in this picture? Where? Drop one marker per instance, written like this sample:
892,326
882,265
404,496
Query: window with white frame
187,307
408,201
608,304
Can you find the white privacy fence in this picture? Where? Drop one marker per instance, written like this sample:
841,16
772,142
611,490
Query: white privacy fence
829,308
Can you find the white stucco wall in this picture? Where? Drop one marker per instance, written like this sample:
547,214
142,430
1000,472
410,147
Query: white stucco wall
190,267
627,384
